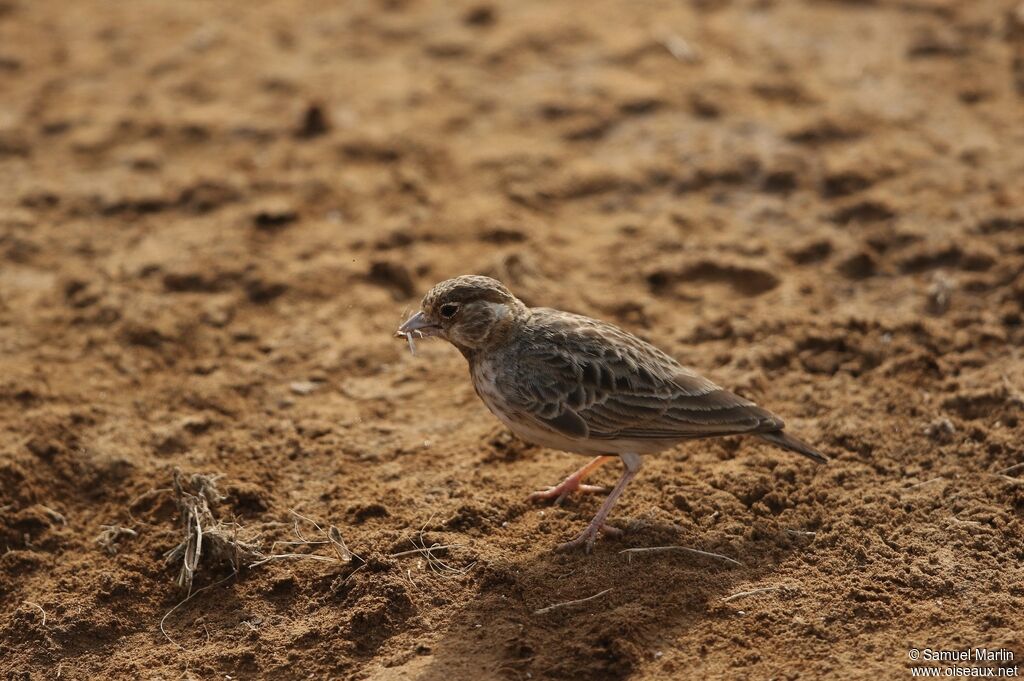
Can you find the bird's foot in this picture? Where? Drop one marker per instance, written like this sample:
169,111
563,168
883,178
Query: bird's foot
563,489
587,537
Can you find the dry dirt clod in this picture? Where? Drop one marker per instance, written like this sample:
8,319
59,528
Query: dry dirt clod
314,122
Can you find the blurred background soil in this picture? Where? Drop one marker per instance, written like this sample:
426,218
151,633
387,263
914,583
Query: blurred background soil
214,215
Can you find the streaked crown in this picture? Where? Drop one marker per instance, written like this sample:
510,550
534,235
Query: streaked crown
473,311
468,287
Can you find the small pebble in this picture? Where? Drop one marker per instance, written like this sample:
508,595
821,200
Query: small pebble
302,387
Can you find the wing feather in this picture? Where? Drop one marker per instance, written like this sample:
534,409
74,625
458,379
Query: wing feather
583,378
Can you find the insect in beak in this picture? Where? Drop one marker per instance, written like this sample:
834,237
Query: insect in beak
417,326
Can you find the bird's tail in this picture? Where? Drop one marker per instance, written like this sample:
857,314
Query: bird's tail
786,441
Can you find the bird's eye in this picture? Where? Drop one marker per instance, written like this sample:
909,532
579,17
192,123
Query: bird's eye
448,310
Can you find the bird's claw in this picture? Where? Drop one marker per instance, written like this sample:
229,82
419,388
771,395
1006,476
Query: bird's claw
587,537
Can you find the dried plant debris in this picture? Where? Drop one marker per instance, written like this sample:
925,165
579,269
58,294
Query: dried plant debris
111,535
203,534
431,552
207,540
331,536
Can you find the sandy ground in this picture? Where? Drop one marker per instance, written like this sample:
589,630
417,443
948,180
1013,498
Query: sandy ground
214,215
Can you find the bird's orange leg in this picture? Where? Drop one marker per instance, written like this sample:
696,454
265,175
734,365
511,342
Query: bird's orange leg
572,483
632,463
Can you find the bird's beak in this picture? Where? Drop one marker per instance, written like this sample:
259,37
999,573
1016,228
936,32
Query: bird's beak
418,326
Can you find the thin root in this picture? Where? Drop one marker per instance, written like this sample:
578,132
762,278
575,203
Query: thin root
39,608
744,594
801,533
566,604
140,498
697,552
436,564
183,602
332,536
1014,467
435,547
922,484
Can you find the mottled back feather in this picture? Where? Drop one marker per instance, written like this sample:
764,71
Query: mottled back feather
586,379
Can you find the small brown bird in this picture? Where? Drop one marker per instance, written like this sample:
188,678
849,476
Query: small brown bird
577,384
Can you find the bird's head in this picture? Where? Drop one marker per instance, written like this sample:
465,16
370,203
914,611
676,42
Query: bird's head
472,312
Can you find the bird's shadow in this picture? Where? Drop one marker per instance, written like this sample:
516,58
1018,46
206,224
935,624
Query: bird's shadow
521,621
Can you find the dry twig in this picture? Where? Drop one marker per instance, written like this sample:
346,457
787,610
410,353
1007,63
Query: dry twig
55,516
744,594
1014,467
922,484
801,533
427,550
566,604
697,552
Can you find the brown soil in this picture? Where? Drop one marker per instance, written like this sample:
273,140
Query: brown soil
213,216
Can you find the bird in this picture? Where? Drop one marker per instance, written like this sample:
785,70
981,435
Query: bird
576,384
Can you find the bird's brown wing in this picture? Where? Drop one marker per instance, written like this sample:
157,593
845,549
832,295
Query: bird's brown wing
586,379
